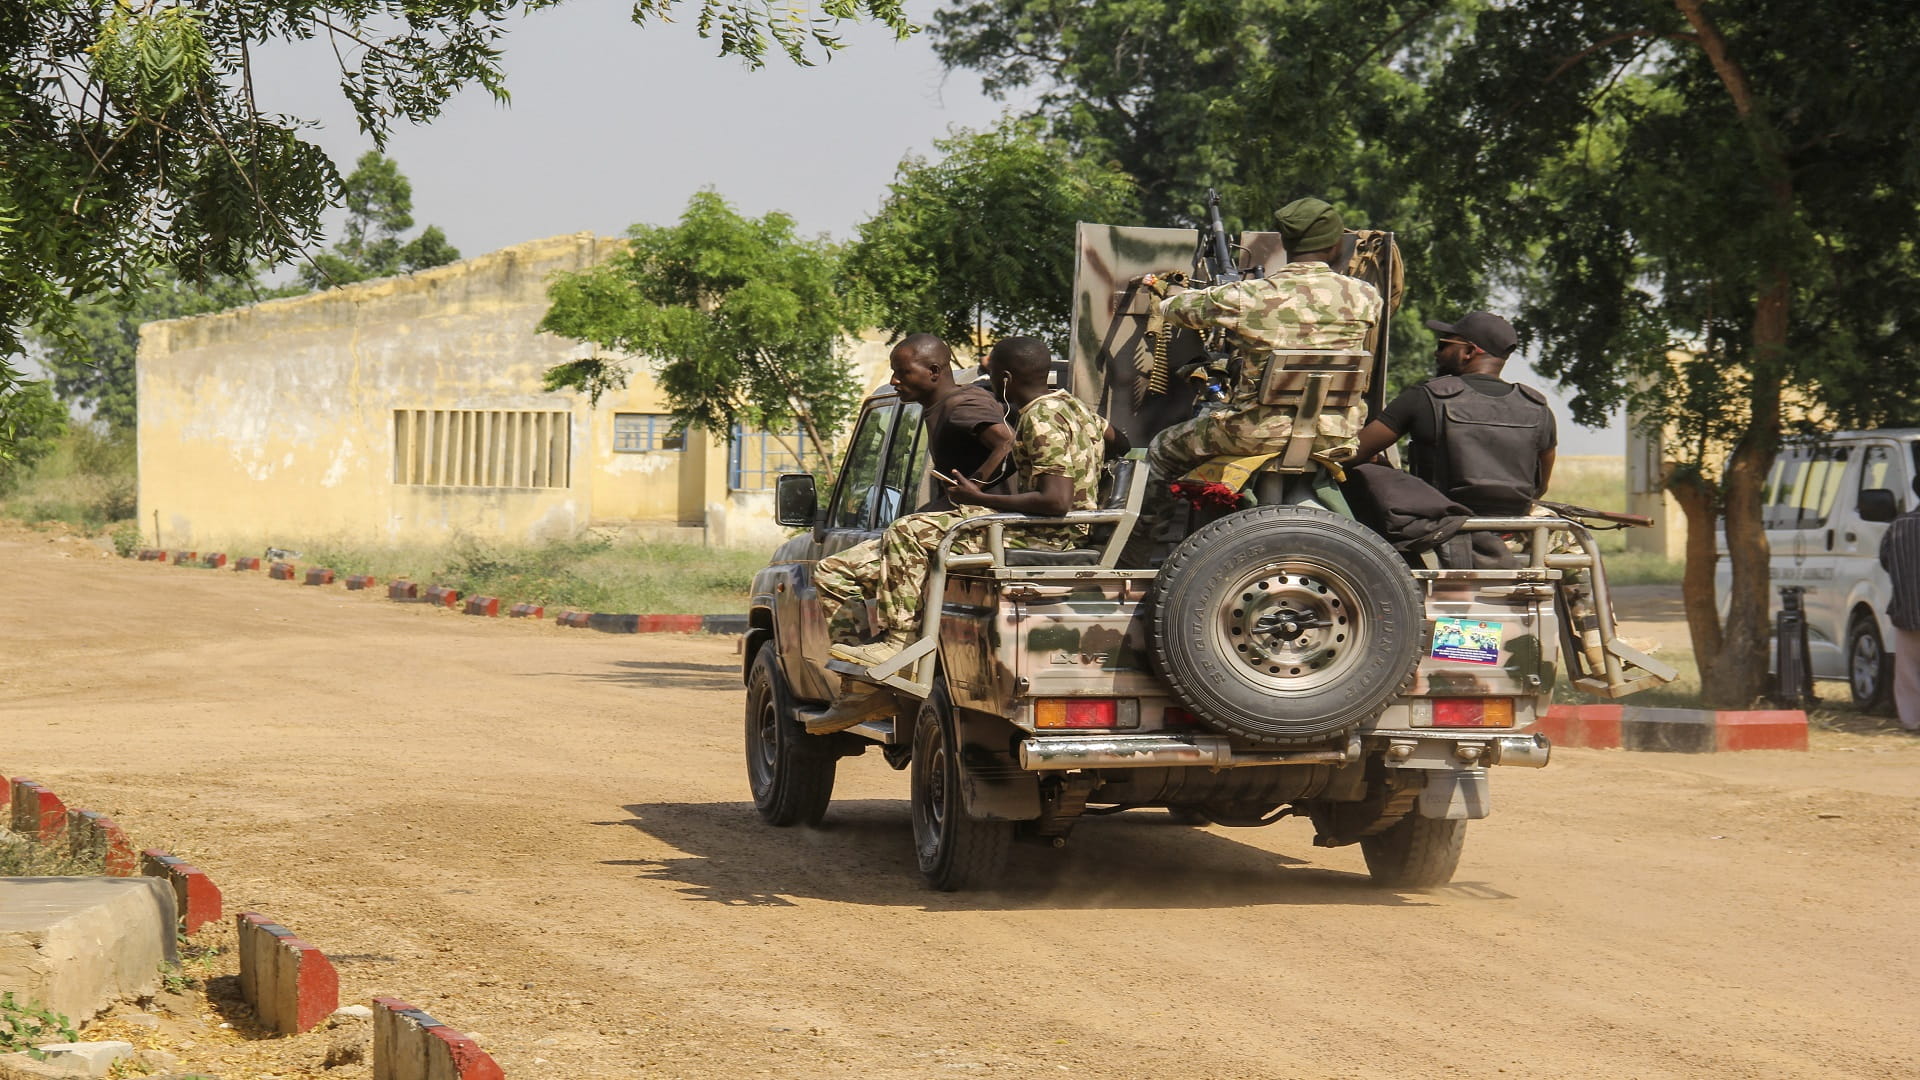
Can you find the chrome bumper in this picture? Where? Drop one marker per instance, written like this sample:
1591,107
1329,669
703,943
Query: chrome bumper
1150,750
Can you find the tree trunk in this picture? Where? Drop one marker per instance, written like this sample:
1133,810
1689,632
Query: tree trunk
1695,495
1736,673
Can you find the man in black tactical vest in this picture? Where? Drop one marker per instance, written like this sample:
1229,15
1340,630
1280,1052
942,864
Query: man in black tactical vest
1486,443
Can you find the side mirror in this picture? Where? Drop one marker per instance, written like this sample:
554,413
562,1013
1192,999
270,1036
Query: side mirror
1878,504
795,502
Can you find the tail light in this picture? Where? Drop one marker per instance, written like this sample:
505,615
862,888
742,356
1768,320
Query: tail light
1473,712
1078,713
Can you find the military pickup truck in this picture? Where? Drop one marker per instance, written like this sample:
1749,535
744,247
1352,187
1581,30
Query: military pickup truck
1283,661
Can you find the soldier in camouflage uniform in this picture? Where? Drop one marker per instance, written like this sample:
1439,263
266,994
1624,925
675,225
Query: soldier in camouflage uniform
1303,305
1057,450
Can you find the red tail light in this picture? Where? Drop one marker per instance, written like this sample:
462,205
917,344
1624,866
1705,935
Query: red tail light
1473,712
1075,713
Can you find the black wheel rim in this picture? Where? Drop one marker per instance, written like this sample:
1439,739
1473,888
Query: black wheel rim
766,731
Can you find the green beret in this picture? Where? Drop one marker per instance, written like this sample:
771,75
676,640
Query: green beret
1309,225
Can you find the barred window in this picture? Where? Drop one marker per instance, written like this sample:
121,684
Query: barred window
755,459
487,448
639,433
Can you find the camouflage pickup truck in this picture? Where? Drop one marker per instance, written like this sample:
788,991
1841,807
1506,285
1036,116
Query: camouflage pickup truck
1283,661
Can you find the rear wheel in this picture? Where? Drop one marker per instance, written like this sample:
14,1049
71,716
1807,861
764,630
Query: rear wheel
954,850
1415,852
1286,624
1869,668
791,772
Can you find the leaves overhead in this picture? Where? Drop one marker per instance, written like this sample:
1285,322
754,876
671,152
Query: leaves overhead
983,236
743,321
130,138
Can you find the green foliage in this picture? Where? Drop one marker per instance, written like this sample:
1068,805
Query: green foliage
91,353
130,137
22,857
984,236
127,540
30,427
379,208
590,574
1731,183
743,321
86,480
1265,100
22,1025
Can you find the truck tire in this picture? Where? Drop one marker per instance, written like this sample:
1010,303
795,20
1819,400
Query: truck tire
1286,624
791,772
1869,668
954,850
1416,852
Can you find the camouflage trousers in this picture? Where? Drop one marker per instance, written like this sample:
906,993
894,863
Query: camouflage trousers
1245,431
892,571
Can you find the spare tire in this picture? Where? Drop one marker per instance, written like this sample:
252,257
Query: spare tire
1286,624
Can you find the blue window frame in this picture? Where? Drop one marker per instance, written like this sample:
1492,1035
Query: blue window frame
639,433
755,459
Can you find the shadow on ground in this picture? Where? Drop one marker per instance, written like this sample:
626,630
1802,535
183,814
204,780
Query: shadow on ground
654,675
863,854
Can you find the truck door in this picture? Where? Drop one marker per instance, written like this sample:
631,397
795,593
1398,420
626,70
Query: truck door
1883,464
1817,539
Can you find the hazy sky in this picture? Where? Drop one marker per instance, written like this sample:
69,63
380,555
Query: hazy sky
613,124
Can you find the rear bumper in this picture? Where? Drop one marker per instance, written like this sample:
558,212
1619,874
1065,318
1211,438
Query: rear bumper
1149,750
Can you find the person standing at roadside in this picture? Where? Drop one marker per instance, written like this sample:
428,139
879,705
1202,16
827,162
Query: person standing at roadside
1900,557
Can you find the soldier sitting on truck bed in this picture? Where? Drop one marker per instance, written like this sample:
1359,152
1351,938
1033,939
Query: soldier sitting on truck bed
1057,454
1305,304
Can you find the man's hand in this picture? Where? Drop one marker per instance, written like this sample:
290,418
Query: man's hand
962,491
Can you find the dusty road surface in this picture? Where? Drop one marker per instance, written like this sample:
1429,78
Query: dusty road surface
544,837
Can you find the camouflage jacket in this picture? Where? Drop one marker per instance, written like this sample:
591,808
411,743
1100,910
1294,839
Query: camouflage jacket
1302,305
1058,435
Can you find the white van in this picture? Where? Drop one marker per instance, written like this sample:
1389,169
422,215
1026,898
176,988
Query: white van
1827,502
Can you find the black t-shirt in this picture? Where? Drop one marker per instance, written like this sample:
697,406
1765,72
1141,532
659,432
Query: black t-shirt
1412,412
953,435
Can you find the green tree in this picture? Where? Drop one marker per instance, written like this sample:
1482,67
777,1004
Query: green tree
130,138
32,427
1265,100
1717,210
741,319
379,209
984,235
91,363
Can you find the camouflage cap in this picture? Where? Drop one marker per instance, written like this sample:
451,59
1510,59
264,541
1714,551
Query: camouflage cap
1309,224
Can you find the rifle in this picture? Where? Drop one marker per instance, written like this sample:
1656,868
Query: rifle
1214,257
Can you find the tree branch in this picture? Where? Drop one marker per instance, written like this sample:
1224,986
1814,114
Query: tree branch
1614,39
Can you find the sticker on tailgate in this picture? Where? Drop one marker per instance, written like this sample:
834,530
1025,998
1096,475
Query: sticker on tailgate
1468,641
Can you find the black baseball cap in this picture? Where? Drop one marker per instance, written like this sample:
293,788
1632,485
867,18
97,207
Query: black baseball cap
1485,329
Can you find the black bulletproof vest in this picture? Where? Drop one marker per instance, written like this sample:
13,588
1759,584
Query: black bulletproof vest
1486,451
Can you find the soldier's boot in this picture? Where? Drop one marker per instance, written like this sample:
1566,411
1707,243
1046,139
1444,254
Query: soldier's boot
875,654
859,704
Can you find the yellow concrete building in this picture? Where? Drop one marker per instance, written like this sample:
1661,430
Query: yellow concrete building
409,410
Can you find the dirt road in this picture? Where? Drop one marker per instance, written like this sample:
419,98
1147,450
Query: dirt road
544,837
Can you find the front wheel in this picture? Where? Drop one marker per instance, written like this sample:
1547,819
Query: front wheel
1869,668
954,850
791,772
1415,852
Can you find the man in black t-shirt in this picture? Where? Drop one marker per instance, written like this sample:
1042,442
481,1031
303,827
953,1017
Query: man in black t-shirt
1488,444
967,428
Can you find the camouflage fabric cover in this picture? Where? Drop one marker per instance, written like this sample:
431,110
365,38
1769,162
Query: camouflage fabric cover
1058,435
1302,305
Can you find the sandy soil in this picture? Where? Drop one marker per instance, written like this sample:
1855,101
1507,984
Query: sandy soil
544,838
